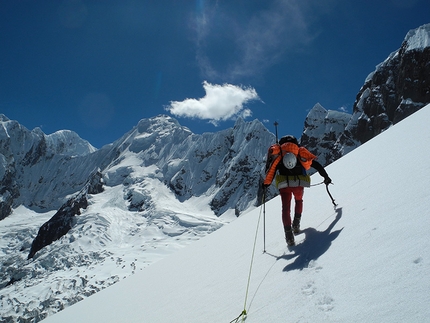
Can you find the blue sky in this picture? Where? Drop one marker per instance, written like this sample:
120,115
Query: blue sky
98,67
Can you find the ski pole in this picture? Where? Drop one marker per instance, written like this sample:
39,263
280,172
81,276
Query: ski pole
276,130
332,199
264,220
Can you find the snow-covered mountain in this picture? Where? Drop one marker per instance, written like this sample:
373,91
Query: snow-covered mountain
88,218
323,128
398,87
38,170
128,204
29,159
367,260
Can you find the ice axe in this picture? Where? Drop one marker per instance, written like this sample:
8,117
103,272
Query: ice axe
331,197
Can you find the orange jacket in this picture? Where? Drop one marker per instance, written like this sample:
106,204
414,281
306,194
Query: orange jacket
277,151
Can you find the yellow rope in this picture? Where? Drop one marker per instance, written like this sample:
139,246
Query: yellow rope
244,313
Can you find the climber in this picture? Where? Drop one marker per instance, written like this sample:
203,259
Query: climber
288,163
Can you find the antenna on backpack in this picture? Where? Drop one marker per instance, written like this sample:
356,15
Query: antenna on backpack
276,131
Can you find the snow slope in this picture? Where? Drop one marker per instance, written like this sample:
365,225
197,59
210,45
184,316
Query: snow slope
419,38
365,261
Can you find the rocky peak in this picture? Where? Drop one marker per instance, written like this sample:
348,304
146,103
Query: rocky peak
321,129
30,172
398,87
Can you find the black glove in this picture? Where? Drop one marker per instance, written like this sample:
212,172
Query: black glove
327,180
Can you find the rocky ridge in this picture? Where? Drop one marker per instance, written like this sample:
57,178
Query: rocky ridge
398,87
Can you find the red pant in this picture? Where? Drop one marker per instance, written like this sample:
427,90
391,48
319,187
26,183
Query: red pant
286,194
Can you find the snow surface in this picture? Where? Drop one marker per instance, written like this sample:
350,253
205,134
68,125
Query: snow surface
367,260
418,38
70,141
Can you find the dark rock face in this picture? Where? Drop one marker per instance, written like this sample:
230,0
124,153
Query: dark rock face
64,219
95,184
397,88
322,129
59,224
413,82
8,191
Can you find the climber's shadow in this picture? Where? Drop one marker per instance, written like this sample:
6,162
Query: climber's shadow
315,244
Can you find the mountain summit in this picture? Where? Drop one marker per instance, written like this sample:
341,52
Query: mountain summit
398,87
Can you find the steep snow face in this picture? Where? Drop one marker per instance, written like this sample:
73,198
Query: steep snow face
156,137
225,167
18,141
68,143
30,166
418,39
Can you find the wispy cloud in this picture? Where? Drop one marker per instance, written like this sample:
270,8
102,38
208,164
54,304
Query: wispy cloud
221,102
251,43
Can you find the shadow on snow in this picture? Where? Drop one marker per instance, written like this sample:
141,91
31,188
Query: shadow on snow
315,244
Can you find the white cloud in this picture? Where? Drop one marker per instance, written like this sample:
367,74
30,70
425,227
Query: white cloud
221,102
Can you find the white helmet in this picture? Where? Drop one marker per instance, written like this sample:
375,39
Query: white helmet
289,160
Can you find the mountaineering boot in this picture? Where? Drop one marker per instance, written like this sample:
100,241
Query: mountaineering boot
296,223
289,236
